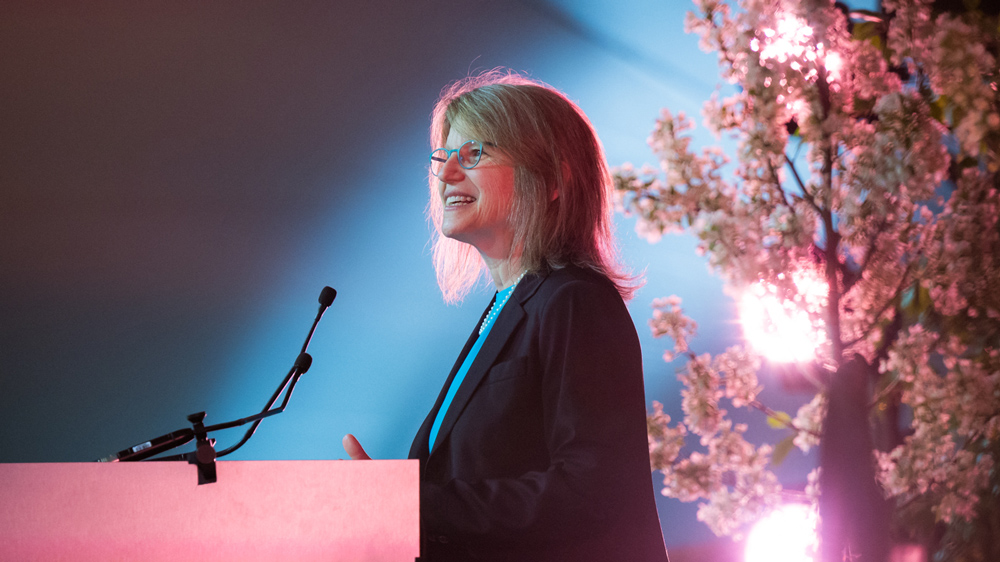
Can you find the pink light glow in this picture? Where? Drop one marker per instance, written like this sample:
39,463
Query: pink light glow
788,534
781,330
908,552
793,39
833,64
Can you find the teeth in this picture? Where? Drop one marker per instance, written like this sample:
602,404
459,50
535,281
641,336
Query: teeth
458,200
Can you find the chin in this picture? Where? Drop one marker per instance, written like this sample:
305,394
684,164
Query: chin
457,238
453,231
450,233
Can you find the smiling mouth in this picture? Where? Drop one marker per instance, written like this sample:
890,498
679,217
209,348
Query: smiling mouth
458,200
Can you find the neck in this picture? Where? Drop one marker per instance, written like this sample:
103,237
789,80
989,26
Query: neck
504,272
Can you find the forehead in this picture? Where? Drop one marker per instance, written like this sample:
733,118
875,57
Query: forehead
458,134
461,130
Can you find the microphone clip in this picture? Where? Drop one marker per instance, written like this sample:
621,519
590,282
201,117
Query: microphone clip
204,453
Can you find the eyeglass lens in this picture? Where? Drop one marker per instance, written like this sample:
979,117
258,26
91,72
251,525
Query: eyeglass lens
468,156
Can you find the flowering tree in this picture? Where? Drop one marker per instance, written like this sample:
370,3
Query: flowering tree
862,209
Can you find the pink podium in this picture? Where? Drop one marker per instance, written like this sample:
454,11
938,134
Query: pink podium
258,510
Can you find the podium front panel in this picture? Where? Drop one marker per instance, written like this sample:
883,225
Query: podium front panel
258,510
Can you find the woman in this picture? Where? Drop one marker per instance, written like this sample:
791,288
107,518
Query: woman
536,448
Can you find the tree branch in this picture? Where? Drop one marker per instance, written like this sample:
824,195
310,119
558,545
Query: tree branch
757,404
870,250
805,193
884,392
885,306
785,196
831,252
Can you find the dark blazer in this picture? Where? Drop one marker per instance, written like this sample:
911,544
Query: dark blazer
543,453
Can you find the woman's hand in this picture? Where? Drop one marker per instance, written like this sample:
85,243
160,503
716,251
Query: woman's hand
354,448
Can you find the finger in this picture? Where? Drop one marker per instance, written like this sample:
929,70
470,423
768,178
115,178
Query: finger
354,449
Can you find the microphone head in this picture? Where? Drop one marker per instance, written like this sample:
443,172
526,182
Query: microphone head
326,296
303,362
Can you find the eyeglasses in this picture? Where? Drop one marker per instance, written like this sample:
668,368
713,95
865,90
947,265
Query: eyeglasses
468,156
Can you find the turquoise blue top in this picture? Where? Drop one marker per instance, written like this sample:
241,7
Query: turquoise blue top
501,299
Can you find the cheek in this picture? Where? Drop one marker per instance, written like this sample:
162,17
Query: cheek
497,206
500,202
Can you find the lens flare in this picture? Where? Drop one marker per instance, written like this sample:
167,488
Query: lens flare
783,330
788,534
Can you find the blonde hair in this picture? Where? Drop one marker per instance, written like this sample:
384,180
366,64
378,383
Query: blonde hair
562,187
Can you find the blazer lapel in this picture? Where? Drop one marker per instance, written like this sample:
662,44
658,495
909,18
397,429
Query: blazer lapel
503,328
419,448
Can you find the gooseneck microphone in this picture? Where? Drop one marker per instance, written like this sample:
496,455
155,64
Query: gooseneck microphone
301,365
177,438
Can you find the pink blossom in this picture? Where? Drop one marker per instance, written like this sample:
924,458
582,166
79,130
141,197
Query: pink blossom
892,203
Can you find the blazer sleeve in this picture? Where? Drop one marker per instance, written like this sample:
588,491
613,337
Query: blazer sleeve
590,364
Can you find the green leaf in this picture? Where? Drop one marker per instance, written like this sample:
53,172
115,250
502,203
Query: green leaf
938,107
782,448
915,301
863,106
780,420
968,162
923,299
868,31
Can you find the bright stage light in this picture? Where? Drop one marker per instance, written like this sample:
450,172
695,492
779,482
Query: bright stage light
793,38
788,534
781,330
833,65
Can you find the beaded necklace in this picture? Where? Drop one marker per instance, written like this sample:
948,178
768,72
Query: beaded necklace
498,304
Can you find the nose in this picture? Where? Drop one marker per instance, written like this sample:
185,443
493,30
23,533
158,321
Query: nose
451,171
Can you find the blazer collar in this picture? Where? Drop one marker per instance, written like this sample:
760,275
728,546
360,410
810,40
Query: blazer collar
527,287
510,318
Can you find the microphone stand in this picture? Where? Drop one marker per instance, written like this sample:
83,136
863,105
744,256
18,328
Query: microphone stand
204,454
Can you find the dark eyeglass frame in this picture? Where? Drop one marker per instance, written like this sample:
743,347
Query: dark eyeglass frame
440,156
